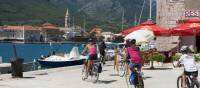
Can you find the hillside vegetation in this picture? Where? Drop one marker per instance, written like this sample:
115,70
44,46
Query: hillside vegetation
106,13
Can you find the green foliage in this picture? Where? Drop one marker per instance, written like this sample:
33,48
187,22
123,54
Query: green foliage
157,57
175,57
37,12
197,58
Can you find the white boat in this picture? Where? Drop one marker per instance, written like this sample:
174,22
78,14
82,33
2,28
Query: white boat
73,58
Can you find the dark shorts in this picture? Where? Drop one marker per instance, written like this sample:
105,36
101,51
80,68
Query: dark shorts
92,57
195,73
134,65
102,53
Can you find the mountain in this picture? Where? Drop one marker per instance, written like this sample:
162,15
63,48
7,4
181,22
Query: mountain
106,13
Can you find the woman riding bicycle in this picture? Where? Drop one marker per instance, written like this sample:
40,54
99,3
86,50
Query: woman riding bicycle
134,54
188,61
91,48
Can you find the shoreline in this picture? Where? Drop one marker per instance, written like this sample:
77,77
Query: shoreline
17,42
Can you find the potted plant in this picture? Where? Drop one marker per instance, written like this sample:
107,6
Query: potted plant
155,56
175,58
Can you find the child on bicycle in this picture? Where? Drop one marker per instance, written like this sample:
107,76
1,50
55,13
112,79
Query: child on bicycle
134,55
188,61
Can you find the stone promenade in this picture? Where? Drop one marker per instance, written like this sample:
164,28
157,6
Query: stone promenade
70,77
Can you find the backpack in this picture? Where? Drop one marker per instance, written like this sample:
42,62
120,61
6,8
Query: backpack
133,78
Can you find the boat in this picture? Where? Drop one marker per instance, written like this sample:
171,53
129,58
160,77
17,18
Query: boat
53,61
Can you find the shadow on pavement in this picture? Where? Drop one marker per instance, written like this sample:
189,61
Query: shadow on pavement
106,81
147,77
114,75
109,65
28,77
104,70
158,68
5,86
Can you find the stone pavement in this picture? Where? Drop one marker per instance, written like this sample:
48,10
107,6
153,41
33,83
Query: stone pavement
70,77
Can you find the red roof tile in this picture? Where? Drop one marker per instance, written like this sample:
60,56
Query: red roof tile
29,27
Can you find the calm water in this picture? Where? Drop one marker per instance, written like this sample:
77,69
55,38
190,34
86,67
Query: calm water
33,51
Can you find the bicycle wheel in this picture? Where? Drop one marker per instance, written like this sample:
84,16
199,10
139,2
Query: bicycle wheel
179,82
122,68
95,73
139,82
83,72
195,84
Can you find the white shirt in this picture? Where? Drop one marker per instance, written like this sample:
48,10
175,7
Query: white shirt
188,62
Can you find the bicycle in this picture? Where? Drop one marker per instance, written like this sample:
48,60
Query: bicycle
191,82
94,70
123,69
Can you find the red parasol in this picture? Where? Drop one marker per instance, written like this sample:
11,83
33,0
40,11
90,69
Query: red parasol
158,31
187,28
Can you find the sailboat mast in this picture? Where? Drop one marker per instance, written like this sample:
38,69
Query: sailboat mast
122,27
23,33
141,11
135,21
84,23
150,7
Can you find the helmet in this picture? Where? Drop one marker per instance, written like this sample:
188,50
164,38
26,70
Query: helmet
191,48
184,48
90,40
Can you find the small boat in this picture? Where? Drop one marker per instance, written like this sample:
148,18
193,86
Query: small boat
71,59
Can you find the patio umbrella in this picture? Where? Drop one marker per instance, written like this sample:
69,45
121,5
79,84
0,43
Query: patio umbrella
141,36
157,30
187,28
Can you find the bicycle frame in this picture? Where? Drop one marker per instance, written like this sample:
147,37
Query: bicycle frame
93,71
191,82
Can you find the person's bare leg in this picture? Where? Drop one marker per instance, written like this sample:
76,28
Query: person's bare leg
88,67
183,81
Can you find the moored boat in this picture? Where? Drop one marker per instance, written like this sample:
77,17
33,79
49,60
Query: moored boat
63,60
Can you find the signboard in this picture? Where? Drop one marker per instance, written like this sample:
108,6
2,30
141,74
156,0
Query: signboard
192,13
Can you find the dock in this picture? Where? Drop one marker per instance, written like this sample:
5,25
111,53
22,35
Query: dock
70,77
6,67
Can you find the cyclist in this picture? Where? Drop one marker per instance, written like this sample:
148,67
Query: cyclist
188,61
91,48
102,48
135,58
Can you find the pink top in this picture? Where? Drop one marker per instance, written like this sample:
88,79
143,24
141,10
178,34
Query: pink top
92,50
134,55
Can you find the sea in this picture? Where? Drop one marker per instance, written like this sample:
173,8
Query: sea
31,51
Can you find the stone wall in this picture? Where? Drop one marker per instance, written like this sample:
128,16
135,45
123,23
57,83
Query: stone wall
169,11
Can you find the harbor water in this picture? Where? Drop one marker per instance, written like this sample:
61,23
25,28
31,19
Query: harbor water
29,52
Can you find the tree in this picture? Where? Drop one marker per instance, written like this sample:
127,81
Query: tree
1,23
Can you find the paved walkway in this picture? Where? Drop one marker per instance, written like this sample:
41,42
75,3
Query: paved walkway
70,77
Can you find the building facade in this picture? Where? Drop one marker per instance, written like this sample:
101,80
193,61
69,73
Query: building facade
170,11
27,33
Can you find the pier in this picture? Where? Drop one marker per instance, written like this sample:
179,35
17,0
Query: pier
70,77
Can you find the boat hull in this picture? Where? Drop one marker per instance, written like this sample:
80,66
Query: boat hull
54,64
